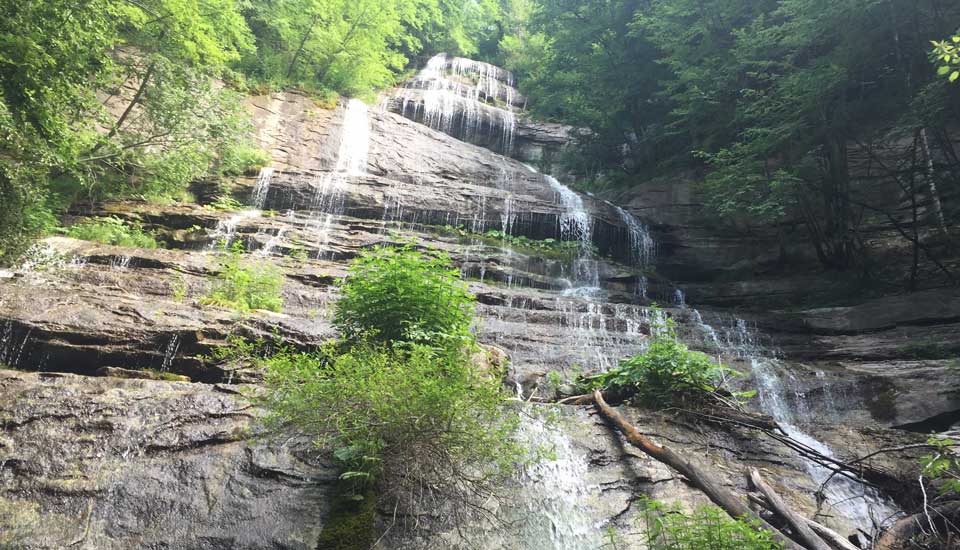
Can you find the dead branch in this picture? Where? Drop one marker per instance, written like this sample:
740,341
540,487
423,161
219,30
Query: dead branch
723,498
795,521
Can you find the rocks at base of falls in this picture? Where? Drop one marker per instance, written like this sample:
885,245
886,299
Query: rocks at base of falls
113,464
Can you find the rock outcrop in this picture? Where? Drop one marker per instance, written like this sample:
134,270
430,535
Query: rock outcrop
115,462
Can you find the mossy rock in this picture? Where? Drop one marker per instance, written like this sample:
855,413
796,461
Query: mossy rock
351,521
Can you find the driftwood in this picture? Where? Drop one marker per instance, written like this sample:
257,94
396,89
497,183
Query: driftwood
904,529
833,538
796,522
720,496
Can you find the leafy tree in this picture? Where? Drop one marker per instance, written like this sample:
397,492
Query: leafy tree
70,128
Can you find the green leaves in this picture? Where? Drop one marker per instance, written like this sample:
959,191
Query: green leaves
669,373
246,286
706,528
947,55
402,294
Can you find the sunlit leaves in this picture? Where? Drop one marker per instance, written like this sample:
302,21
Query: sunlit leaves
947,55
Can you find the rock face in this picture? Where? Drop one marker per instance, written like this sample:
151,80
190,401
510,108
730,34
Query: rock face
119,462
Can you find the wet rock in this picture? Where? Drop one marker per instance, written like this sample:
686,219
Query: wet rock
117,464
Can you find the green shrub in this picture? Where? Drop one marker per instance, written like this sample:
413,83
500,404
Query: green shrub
242,158
669,373
246,286
225,203
708,528
943,466
112,230
399,293
383,408
398,402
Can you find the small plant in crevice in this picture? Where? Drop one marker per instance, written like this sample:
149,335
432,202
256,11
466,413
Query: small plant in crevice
669,373
245,285
112,230
943,466
707,528
224,203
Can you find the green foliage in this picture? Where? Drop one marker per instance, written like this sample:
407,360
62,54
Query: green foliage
242,158
225,203
764,97
70,131
354,47
708,528
400,293
669,373
943,465
375,402
946,54
112,230
245,285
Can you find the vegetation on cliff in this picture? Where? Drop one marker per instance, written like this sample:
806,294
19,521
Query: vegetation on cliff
399,401
106,98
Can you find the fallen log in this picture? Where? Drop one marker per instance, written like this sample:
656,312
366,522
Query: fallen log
723,498
796,522
833,538
945,516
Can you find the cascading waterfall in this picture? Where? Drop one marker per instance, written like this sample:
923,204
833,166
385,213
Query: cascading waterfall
225,232
262,187
857,503
457,106
552,510
352,155
643,249
355,139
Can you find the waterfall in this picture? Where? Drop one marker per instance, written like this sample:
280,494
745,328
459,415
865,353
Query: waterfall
643,249
262,187
352,155
225,231
855,502
459,107
354,140
552,509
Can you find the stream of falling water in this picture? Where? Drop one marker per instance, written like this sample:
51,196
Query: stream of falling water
352,155
456,106
553,511
860,505
262,187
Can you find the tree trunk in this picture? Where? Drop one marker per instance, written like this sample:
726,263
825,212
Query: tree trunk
931,182
133,102
796,522
721,497
303,41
